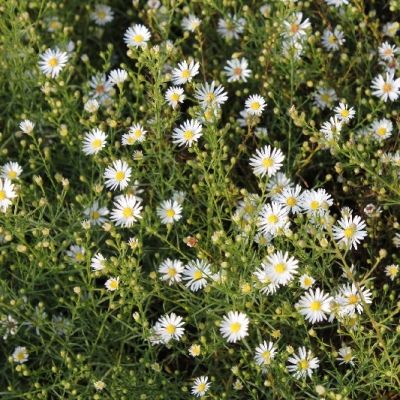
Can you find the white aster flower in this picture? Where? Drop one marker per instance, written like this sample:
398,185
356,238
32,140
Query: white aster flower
290,198
255,105
94,141
234,326
210,95
388,51
137,36
91,106
350,230
76,253
303,363
7,193
314,305
346,355
196,273
117,76
117,175
52,62
382,128
98,262
27,126
325,98
392,271
231,27
187,133
169,211
306,281
96,214
237,70
265,353
171,271
267,160
185,72
20,355
170,327
11,170
332,41
280,268
102,14
387,88
100,87
190,23
343,113
112,284
174,96
273,219
136,134
126,211
352,300
316,202
200,386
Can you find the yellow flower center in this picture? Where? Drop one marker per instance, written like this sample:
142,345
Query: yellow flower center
175,97
113,284
349,232
53,62
315,305
170,213
326,98
255,105
387,87
2,195
12,174
171,272
294,28
352,299
303,364
188,135
79,257
201,387
344,113
291,201
185,74
235,327
332,39
273,219
381,131
171,329
195,350
20,356
267,162
127,212
280,268
119,176
210,97
347,357
307,281
197,275
266,355
95,215
314,205
138,38
96,144
137,133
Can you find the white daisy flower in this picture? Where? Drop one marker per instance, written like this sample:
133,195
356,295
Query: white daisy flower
187,133
277,183
52,62
174,96
210,95
388,51
273,219
11,170
332,41
102,14
98,262
266,285
94,141
200,386
352,300
234,326
306,281
314,305
91,106
346,355
185,72
255,104
237,70
169,211
117,175
390,28
136,134
112,284
137,36
196,273
325,98
100,87
117,76
295,28
126,211
387,88
350,230
382,128
76,253
171,270
20,355
265,353
190,23
7,193
303,363
231,27
179,196
316,202
170,327
280,268
343,113
290,198
331,129
26,126
267,160
392,271
96,214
